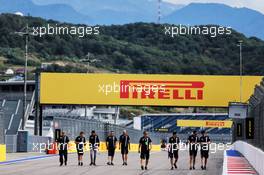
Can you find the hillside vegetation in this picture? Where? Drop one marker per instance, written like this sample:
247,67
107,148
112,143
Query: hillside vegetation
131,48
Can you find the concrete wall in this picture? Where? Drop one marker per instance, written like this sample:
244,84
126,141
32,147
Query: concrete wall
254,155
11,143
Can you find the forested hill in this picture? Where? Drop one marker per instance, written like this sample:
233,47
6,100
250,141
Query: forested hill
133,48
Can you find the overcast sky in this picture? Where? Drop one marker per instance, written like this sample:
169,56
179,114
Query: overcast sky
253,4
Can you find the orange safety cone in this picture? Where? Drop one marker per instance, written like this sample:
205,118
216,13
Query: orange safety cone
52,148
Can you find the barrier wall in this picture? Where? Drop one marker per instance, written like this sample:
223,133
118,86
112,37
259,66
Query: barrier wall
224,170
2,153
11,143
254,155
37,140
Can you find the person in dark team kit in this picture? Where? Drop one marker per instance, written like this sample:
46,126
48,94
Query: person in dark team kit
173,150
205,142
124,145
94,147
111,146
62,142
193,147
80,142
144,148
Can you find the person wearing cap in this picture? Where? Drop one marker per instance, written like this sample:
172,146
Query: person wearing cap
144,148
80,142
94,147
204,143
111,146
193,148
62,142
124,145
173,149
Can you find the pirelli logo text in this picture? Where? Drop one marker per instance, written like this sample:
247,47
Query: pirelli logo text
176,90
215,124
205,123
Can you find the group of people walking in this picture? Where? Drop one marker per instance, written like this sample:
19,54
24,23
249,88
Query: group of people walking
144,148
94,144
194,143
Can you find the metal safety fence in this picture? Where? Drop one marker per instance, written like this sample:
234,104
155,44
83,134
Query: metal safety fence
11,143
37,140
23,142
73,127
256,111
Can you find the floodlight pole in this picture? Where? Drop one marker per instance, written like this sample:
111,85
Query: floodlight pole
26,34
25,78
241,68
88,61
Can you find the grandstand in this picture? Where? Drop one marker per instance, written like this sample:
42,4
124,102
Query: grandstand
11,105
154,122
167,123
11,102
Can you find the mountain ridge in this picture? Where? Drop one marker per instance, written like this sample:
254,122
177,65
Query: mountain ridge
107,12
60,12
244,20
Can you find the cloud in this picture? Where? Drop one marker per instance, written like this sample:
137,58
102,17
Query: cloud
252,4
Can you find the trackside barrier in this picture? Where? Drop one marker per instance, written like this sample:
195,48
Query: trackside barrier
224,164
36,140
254,155
11,143
102,148
2,153
236,164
